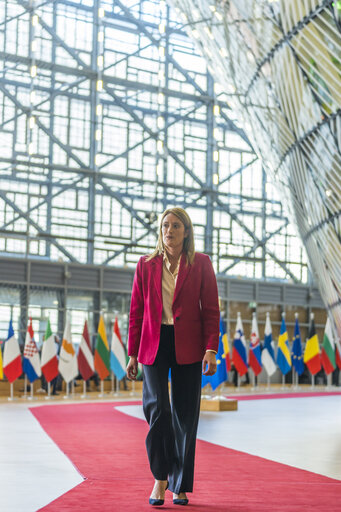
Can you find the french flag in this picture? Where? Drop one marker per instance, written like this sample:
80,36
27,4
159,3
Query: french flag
31,362
239,353
118,361
255,354
12,357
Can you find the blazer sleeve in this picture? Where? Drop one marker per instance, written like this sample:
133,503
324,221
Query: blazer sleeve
136,312
210,306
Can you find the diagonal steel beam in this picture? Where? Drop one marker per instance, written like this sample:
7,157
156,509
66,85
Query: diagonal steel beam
152,134
62,188
140,25
255,238
58,39
36,226
119,199
238,171
255,246
48,132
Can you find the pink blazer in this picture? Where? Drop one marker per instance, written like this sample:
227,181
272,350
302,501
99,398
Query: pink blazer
195,310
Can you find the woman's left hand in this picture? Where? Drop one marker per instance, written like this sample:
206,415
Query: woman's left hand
211,363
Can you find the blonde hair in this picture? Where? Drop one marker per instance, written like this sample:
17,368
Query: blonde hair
188,247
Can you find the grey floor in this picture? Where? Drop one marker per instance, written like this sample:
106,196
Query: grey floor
302,432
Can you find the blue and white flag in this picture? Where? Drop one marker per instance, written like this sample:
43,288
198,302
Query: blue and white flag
118,360
31,362
268,353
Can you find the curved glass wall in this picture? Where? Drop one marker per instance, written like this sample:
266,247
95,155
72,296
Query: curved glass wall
280,63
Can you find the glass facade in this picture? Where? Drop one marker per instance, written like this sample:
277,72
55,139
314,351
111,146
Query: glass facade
279,61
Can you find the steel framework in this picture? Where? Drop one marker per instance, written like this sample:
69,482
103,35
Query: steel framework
107,116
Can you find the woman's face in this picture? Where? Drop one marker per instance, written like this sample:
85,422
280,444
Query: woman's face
173,232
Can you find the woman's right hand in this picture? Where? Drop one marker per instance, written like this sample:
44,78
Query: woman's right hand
132,367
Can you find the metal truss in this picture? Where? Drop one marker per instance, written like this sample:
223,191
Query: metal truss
108,116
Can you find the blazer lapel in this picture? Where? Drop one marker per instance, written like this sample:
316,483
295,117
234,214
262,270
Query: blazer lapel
184,270
157,263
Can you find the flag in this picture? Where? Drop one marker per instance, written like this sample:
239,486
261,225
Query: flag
255,358
226,346
297,354
328,349
49,360
102,358
283,351
239,354
268,353
67,365
312,356
118,360
220,375
85,357
12,357
1,368
31,361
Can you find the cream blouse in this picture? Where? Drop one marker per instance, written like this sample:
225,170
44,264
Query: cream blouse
168,289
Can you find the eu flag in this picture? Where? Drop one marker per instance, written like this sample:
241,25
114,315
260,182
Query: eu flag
297,354
220,375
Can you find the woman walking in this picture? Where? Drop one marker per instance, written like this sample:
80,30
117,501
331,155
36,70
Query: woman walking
173,324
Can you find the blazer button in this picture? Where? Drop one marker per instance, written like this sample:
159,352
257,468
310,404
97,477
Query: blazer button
177,318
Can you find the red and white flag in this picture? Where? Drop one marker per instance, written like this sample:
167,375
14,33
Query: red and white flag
85,356
12,356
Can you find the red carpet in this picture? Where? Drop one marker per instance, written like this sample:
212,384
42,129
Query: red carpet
284,395
108,449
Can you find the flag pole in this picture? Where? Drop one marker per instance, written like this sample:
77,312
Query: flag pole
25,386
11,397
132,393
112,383
283,382
31,394
48,391
253,388
312,381
84,389
67,390
268,383
101,395
329,382
117,385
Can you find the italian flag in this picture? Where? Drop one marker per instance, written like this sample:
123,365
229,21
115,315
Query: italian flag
49,361
328,349
102,352
312,356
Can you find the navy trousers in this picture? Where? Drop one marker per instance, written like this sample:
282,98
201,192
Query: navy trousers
173,426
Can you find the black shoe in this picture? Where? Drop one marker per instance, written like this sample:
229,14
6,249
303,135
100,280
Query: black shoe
157,502
180,501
